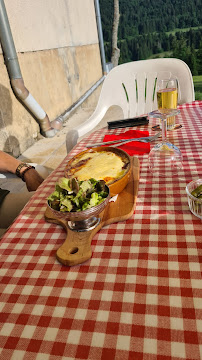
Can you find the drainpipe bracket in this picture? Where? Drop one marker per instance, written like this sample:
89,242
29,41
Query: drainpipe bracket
57,124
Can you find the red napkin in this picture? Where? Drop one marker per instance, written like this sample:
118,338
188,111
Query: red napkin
133,147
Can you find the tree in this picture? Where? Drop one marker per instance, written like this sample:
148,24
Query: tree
199,57
115,49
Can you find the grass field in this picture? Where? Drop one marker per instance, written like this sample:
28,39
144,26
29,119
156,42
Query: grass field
198,87
173,32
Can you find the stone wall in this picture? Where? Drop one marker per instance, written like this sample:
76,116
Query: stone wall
58,52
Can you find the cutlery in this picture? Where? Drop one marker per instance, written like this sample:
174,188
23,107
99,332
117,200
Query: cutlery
124,141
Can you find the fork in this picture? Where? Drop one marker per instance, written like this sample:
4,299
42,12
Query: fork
146,139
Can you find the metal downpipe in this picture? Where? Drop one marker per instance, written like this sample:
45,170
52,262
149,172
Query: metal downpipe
48,129
100,36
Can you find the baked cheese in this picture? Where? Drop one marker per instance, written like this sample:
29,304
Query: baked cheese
104,165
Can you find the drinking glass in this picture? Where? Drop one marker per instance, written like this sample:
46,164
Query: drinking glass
167,95
165,159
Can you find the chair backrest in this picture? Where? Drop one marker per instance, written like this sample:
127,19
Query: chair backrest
132,85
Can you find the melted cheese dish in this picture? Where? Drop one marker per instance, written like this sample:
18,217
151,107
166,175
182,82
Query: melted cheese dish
104,165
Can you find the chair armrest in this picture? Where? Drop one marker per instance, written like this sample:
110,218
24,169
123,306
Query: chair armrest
71,139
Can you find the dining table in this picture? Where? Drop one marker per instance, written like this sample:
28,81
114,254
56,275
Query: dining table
138,297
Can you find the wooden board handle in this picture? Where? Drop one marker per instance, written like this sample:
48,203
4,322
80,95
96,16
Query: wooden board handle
77,247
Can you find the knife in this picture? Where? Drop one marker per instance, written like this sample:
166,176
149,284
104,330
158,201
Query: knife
117,141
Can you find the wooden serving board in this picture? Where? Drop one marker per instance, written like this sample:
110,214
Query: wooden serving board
77,247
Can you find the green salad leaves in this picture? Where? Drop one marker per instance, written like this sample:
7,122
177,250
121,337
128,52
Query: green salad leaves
73,195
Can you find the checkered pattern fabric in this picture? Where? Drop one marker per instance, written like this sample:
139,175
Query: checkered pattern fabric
138,297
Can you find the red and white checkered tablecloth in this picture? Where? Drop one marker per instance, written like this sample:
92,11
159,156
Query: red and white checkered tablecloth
138,297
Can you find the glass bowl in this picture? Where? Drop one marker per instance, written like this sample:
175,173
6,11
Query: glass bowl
195,204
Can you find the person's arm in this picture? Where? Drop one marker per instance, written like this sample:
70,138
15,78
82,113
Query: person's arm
31,177
8,163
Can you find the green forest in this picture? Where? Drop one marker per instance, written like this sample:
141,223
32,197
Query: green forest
156,28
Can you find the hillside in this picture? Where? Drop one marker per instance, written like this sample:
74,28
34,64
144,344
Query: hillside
153,28
148,16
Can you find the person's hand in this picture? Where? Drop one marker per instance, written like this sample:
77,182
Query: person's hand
9,164
32,179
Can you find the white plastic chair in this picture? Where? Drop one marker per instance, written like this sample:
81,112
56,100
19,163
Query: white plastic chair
131,86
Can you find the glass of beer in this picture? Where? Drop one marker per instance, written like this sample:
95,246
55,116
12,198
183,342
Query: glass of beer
167,94
165,159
